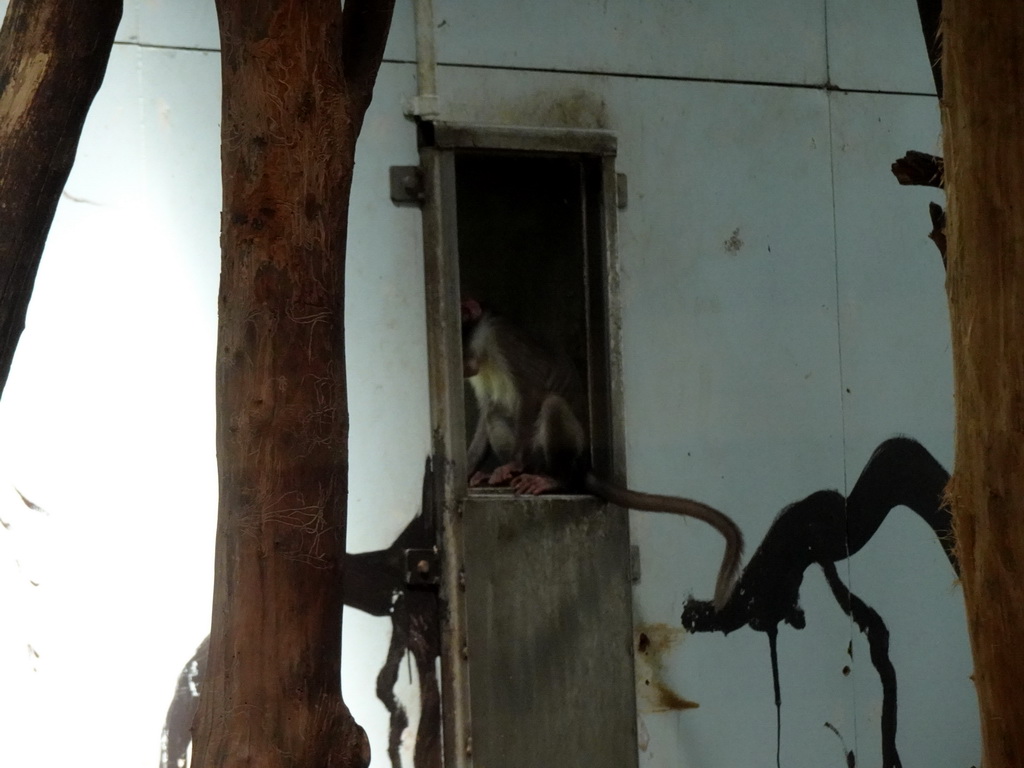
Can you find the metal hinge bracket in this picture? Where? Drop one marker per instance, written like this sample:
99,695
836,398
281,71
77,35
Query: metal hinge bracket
406,184
422,567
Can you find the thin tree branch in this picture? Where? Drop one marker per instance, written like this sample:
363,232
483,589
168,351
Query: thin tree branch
53,56
938,233
919,169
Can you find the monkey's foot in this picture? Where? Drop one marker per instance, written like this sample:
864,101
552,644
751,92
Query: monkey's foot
477,478
505,472
534,485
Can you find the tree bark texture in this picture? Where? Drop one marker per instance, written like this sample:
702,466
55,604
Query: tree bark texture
53,56
983,111
297,79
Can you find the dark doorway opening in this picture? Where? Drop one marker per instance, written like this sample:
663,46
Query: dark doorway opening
530,246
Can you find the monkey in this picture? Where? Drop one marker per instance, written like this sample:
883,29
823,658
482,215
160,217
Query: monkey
530,403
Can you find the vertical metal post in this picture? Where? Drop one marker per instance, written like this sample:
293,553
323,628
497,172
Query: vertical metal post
426,104
448,425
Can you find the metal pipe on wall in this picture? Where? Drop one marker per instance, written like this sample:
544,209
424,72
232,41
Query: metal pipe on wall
426,104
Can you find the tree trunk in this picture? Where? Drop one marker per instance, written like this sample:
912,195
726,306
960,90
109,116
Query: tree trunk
295,89
53,55
983,112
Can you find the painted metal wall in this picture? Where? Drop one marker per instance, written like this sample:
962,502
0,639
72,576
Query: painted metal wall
783,314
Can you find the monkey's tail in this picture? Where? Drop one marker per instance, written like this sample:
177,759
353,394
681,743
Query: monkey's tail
676,505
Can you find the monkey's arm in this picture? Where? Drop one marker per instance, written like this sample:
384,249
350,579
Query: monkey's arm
477,447
526,427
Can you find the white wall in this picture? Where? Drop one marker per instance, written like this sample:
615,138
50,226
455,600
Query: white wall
107,423
752,376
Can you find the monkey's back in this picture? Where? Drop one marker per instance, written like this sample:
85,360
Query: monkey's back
537,371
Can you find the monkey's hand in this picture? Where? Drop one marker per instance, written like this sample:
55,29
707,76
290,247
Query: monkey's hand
534,485
477,478
505,472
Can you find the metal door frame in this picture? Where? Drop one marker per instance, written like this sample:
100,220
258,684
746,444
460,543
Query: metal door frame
439,144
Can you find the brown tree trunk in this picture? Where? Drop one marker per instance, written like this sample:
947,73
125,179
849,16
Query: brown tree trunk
983,114
53,55
295,89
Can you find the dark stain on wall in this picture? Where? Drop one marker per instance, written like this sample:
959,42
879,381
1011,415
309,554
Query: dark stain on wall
375,583
823,529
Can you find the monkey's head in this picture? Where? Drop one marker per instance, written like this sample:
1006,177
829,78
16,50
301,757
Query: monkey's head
472,311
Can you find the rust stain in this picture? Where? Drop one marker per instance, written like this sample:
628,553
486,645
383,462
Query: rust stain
657,638
667,699
653,642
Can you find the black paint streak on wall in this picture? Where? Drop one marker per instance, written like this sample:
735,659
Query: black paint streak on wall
773,650
871,624
387,678
825,528
851,759
375,583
